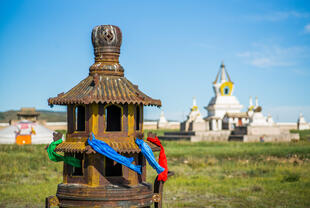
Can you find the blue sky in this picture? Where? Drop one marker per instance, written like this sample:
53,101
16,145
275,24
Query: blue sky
171,49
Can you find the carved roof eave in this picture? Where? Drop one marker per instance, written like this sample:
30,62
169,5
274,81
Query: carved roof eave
104,89
120,147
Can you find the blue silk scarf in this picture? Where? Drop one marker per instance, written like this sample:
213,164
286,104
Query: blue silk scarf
104,149
148,154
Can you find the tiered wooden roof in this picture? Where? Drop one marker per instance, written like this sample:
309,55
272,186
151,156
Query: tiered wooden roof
107,89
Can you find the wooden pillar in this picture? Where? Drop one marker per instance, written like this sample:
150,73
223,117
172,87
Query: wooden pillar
70,119
65,174
131,119
93,173
132,175
94,118
141,116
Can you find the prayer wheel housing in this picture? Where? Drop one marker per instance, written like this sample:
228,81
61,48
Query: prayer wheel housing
108,105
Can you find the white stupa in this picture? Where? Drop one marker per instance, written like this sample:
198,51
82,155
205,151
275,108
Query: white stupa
162,118
223,101
301,123
270,120
256,116
162,123
195,114
194,121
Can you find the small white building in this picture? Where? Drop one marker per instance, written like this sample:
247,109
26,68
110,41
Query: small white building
233,120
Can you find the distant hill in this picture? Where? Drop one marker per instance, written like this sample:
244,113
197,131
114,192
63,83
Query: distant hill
49,116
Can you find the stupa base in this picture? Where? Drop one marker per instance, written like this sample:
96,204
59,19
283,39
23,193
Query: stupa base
79,195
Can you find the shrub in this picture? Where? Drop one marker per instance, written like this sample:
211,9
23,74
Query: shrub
290,177
256,188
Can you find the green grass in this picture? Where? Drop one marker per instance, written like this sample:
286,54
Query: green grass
206,175
238,174
159,132
27,176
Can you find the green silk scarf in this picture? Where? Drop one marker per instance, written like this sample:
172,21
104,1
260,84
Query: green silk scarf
56,157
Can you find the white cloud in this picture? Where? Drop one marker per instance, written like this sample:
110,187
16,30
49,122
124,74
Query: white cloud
307,28
264,61
244,54
279,16
300,71
265,56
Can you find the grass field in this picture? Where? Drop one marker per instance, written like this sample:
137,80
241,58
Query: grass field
206,175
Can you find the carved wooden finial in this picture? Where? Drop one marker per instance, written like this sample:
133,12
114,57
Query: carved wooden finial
107,41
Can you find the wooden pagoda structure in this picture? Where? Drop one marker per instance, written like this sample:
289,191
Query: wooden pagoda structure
108,105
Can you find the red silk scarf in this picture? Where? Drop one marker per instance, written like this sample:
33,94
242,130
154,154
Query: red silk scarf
162,161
